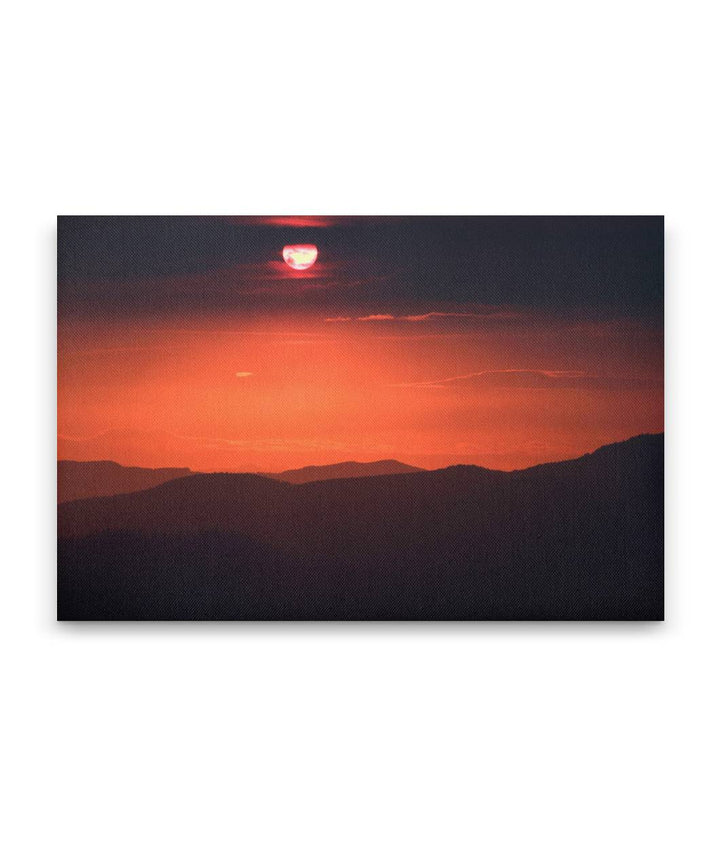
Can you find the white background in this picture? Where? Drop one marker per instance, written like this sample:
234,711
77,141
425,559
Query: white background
512,739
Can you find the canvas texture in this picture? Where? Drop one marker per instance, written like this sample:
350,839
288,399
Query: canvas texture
360,418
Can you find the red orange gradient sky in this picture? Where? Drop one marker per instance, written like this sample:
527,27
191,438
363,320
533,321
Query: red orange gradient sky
279,381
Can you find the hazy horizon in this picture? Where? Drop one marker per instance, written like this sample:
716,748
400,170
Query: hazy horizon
350,461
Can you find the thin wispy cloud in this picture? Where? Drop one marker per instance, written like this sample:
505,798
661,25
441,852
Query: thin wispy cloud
532,379
244,374
432,316
428,316
290,221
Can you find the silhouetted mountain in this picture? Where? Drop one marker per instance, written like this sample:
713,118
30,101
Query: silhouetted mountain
82,479
344,470
580,539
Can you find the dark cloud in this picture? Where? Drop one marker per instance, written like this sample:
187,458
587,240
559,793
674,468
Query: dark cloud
412,266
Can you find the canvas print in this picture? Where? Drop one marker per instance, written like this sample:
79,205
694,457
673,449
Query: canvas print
360,418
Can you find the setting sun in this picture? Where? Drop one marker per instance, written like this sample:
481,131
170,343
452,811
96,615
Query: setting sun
300,256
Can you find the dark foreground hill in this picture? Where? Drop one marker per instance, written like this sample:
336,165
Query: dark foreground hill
580,539
82,479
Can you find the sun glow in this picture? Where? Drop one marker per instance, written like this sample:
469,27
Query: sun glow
300,256
278,392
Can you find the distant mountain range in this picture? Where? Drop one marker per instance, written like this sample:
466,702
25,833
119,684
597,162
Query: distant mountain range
344,470
82,479
580,539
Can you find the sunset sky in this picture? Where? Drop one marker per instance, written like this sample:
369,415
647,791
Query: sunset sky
504,342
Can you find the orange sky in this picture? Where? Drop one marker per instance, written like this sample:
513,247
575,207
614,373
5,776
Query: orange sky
505,391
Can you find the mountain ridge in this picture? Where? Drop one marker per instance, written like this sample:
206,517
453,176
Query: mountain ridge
578,539
329,470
